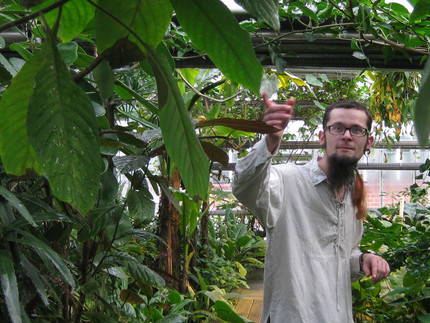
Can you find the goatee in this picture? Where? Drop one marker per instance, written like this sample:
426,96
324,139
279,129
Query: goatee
341,171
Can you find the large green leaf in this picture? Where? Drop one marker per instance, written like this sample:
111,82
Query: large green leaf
215,153
148,19
214,30
68,52
48,255
17,154
178,133
104,78
63,131
140,206
143,274
422,108
10,287
75,16
421,10
226,312
17,204
33,273
266,10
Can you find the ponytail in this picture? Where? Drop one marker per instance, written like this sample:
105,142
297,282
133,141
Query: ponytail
359,197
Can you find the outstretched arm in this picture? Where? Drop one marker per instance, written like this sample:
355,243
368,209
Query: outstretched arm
277,115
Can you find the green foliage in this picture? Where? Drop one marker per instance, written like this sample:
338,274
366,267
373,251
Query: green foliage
404,242
200,20
422,107
87,141
65,136
235,251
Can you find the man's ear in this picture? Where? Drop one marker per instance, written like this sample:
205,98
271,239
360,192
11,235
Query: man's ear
369,142
321,137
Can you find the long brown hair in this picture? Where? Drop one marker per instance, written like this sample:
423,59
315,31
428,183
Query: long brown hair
359,197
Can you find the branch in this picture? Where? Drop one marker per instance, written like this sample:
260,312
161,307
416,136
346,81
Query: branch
405,25
203,95
27,18
387,42
87,70
384,42
302,31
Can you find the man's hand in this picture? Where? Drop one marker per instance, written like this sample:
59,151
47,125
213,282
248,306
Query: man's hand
376,266
277,115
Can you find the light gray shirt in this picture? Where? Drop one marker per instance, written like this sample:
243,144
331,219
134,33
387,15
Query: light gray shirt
312,239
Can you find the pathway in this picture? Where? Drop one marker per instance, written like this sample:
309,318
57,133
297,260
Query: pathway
251,305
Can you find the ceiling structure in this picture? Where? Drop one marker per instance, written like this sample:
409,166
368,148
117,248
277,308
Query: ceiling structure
324,54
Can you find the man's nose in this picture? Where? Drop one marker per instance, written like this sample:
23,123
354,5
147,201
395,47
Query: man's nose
347,134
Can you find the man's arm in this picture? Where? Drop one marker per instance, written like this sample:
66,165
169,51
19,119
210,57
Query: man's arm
253,185
277,115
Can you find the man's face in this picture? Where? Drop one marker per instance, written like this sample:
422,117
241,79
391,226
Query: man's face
346,146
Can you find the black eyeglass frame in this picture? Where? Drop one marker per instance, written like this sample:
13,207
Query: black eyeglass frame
364,133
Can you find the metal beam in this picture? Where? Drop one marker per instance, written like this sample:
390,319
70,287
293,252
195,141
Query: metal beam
361,166
376,145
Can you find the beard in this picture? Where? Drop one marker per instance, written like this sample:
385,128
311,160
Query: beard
341,171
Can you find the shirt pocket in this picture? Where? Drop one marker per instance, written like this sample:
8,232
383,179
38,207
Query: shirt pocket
322,233
323,245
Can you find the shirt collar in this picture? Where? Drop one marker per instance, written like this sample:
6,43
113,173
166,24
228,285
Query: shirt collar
316,173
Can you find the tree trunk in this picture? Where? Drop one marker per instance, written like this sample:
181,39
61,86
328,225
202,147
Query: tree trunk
170,232
204,231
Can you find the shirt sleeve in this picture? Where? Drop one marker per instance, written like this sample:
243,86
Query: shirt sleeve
354,259
256,186
356,273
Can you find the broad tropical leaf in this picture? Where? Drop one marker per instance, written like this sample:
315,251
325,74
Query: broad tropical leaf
17,154
48,255
75,16
140,206
214,30
10,287
215,153
104,78
266,10
148,19
127,164
65,135
421,10
226,312
137,270
178,133
422,108
144,274
68,52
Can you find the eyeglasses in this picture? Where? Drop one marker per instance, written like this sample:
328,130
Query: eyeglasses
355,131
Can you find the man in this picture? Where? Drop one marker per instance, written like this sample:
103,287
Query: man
313,217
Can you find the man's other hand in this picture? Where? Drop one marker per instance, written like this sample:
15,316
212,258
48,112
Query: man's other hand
375,266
